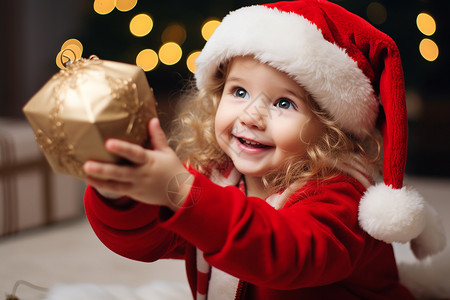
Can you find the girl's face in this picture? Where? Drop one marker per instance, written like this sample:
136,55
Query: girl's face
262,118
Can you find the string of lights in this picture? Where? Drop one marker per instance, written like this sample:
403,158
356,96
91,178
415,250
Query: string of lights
141,25
174,35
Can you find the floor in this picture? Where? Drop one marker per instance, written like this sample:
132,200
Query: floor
71,254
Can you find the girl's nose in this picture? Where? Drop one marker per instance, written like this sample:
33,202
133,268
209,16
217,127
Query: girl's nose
256,114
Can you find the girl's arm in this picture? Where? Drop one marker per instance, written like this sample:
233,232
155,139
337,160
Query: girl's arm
131,228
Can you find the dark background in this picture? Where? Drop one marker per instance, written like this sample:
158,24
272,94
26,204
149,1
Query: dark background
33,31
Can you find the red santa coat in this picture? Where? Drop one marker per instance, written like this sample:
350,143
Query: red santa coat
311,248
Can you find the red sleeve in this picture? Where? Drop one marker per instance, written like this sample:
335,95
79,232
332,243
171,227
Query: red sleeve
310,242
133,232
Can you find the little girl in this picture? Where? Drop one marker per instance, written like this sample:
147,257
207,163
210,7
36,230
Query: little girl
271,193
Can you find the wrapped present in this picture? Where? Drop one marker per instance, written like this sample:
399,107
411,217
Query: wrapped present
83,105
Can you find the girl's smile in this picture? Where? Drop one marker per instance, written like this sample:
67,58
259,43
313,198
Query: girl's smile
250,146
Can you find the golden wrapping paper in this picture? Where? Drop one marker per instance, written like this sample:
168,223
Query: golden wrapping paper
82,106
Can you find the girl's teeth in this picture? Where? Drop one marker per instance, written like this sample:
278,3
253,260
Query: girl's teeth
250,143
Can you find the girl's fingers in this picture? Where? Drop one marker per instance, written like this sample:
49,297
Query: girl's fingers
131,152
105,171
157,135
136,153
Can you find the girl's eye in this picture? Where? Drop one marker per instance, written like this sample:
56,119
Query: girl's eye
241,93
285,104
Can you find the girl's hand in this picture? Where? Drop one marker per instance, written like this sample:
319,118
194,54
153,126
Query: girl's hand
154,176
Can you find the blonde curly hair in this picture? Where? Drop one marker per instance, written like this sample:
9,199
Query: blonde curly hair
193,137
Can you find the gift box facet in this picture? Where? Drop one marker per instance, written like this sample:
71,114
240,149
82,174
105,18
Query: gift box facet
83,105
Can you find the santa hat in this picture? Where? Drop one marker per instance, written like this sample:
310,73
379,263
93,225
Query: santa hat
347,66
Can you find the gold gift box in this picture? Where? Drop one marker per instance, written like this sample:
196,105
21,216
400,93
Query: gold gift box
82,106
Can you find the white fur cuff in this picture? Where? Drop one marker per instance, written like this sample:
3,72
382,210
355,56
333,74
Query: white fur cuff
432,239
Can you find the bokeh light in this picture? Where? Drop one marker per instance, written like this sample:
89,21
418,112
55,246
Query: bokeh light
147,59
63,57
170,53
426,24
190,61
75,45
125,5
376,12
174,33
72,50
429,50
209,27
104,7
141,25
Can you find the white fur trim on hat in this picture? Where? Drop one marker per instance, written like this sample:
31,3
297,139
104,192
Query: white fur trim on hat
292,44
392,215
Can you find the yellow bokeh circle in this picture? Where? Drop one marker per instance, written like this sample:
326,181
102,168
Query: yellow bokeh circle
75,45
104,7
141,25
209,27
63,57
125,5
426,24
170,53
72,50
429,50
147,59
190,61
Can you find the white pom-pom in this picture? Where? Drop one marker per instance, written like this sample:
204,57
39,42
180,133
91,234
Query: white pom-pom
392,215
